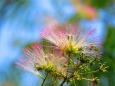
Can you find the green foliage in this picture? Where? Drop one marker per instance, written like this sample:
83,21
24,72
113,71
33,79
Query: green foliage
109,55
80,66
99,3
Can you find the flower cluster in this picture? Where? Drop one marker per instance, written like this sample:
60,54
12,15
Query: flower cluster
35,60
70,38
65,52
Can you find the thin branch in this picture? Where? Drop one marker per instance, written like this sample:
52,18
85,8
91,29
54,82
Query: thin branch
63,81
44,79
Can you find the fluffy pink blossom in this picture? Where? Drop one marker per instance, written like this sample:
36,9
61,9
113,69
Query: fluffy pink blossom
69,38
35,58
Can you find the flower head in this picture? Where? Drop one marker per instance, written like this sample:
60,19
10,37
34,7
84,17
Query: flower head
35,60
69,38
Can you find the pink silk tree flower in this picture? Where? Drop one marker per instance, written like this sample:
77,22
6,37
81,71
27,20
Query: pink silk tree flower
70,38
35,60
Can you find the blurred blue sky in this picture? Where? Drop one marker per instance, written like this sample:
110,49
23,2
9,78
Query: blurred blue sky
25,25
21,26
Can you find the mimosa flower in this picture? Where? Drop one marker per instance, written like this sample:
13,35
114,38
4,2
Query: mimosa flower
35,60
69,38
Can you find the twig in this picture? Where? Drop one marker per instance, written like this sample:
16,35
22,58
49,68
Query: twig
44,79
63,81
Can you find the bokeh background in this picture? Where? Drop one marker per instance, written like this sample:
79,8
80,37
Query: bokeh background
21,21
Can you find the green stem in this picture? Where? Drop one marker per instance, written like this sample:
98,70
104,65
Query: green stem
40,76
63,81
93,71
54,81
87,79
44,79
66,75
69,55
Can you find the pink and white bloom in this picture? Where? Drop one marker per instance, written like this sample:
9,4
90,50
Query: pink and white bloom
35,59
69,38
